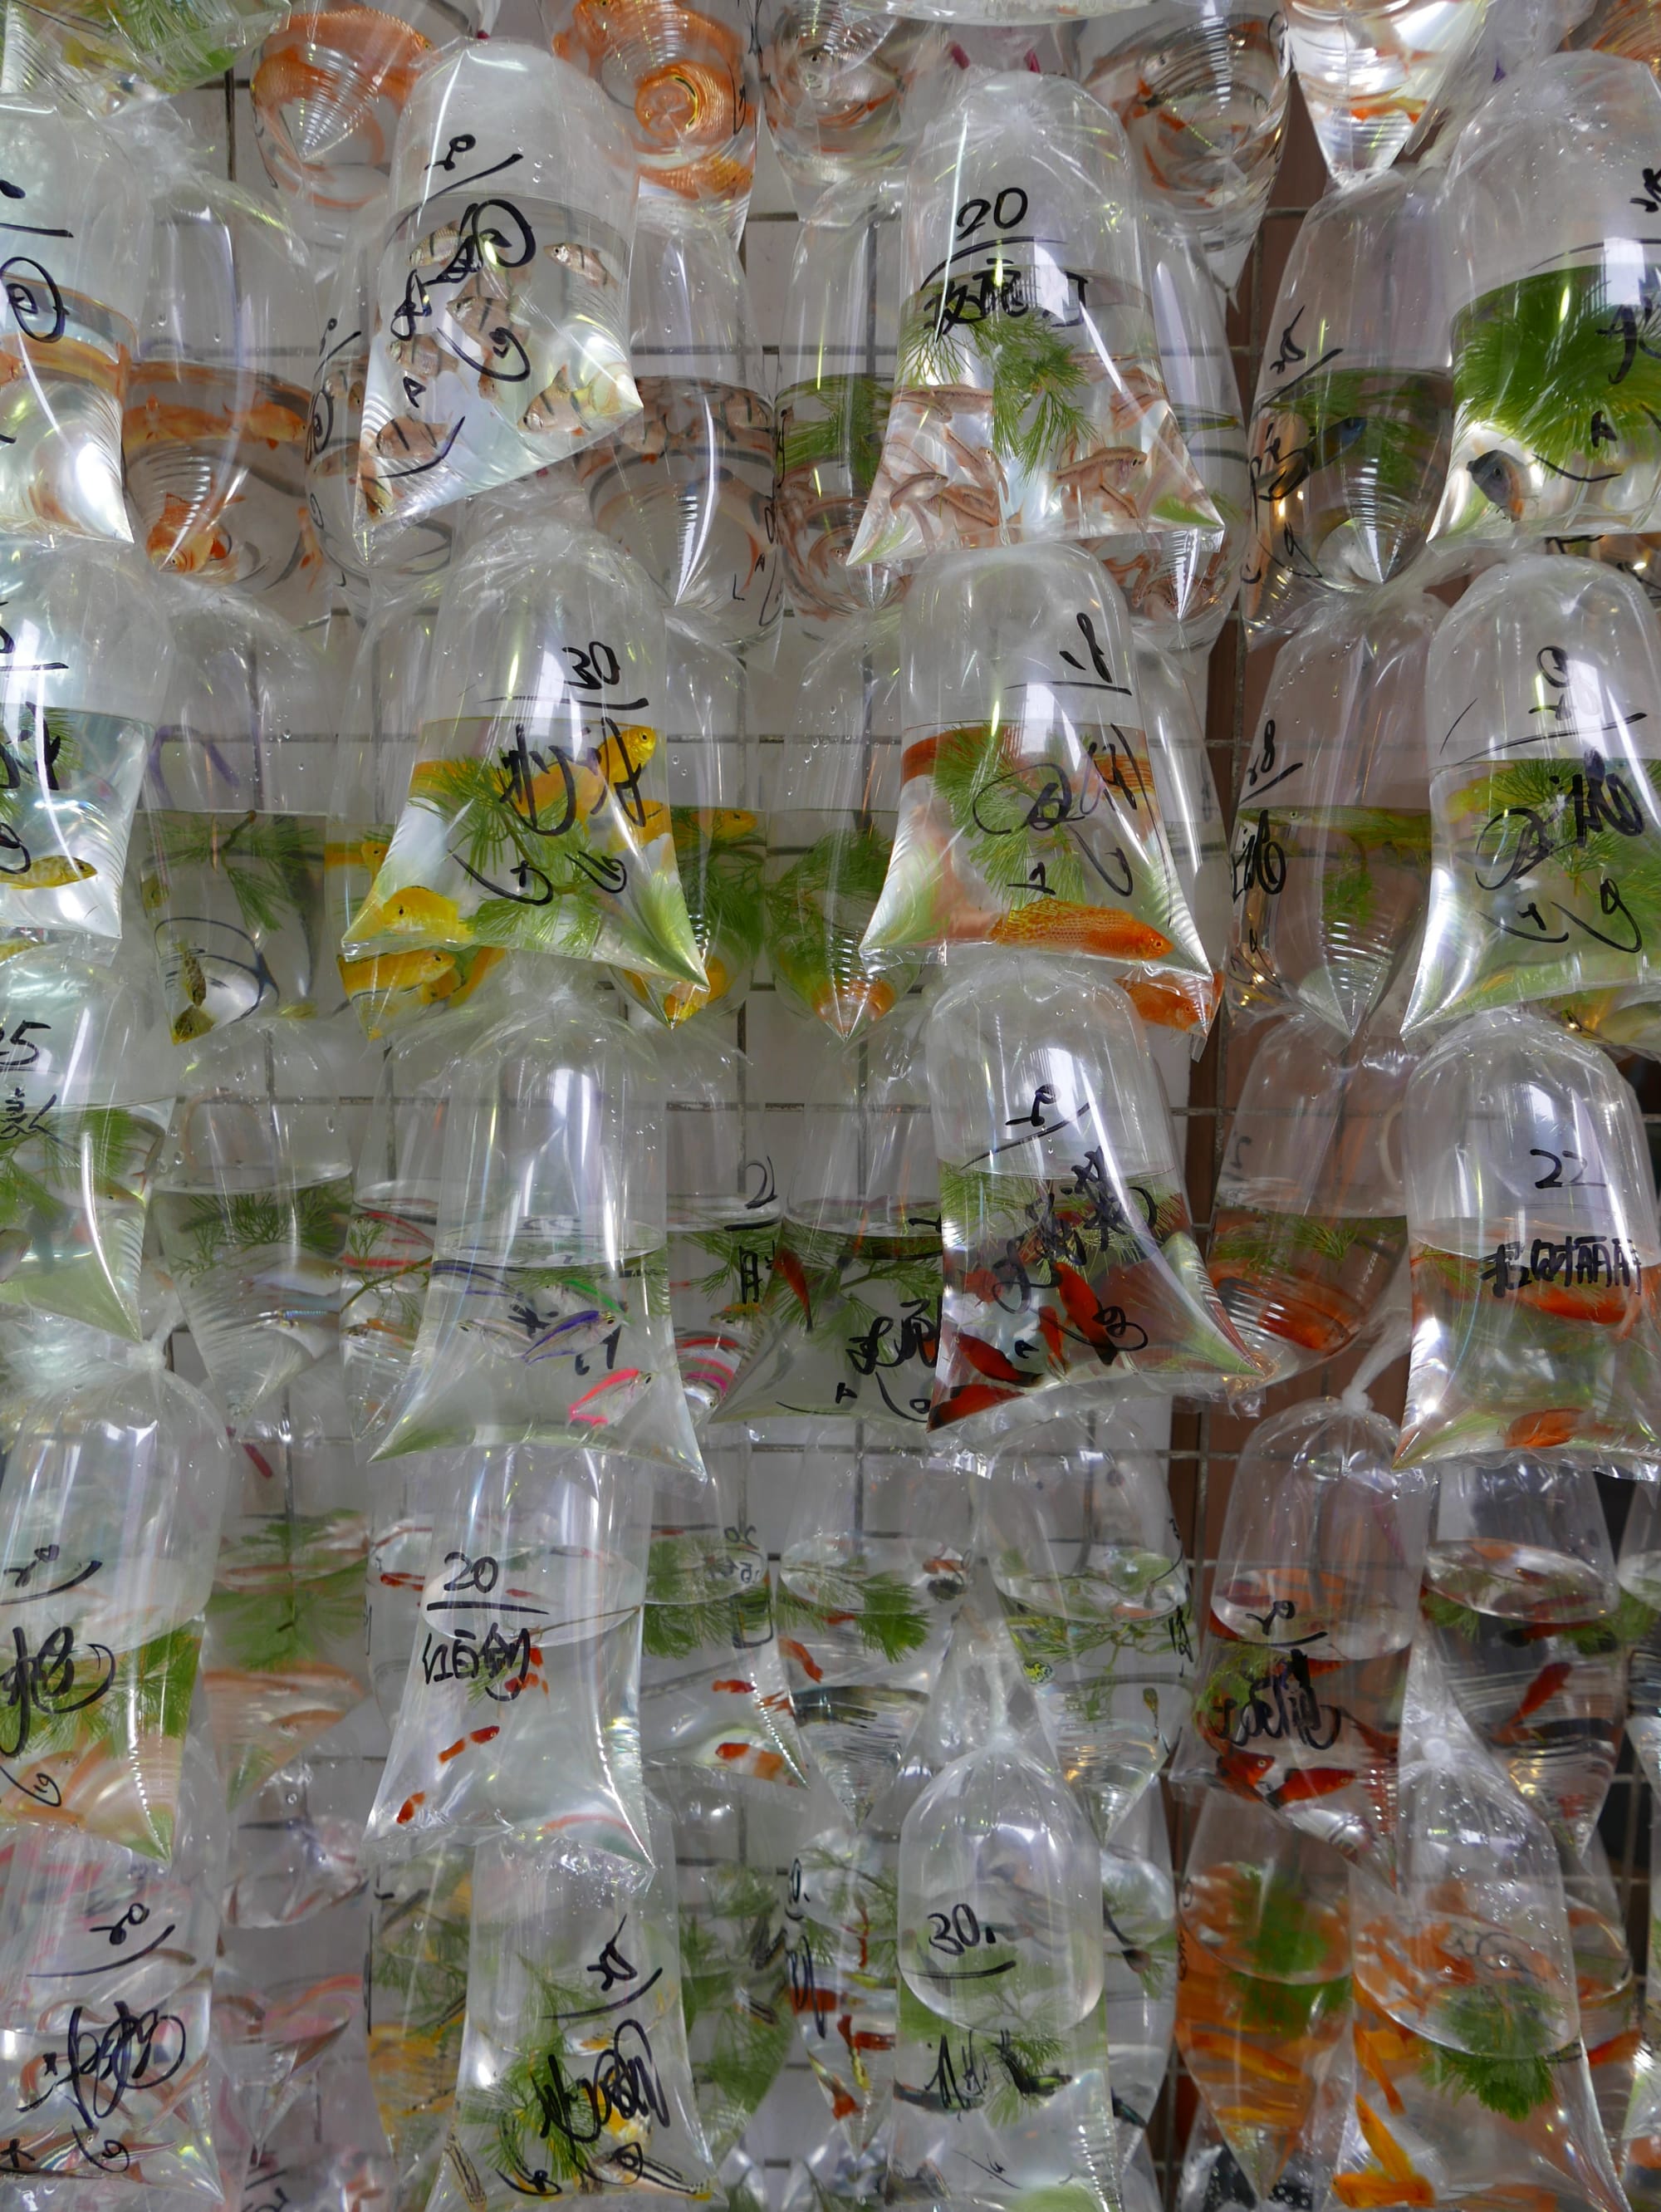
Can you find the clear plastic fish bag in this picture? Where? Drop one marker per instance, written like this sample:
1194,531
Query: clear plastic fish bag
574,2071
253,1204
849,1323
831,797
296,1842
328,88
98,55
1072,1268
335,426
107,1969
284,1657
68,326
1310,1222
1301,1682
86,1094
219,401
1370,71
842,1937
1522,1611
1331,849
683,82
876,1563
1028,398
287,2005
723,1212
1182,584
835,79
1531,1236
388,1262
533,821
415,2004
88,656
1541,691
836,374
375,762
407,1497
720,840
1637,2137
1029,815
236,799
1469,2065
1262,1981
521,1703
1553,288
1202,91
110,1491
1089,1566
1352,419
1139,1969
1002,2059
547,1313
713,1697
734,1974
686,486
499,339
1190,815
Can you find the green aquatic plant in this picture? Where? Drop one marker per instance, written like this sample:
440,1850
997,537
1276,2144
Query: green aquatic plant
1556,365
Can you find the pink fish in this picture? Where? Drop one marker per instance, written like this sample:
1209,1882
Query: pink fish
609,1400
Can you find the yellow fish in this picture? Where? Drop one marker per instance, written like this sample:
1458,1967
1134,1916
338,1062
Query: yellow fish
50,874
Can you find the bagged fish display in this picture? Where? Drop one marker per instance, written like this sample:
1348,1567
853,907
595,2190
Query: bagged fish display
374,761
1002,2056
682,82
1191,814
283,1656
106,1951
546,1318
835,82
1028,812
875,1566
416,2004
841,1935
836,383
573,1995
831,799
87,662
686,486
849,1323
1310,1224
499,339
1028,400
1139,1972
1552,296
535,1577
236,792
86,1096
1071,1269
714,1699
1298,1697
1353,415
1546,806
1369,72
109,1519
253,1202
218,403
1330,857
532,822
1089,1565
1263,1980
735,1968
1182,584
720,840
329,88
723,1212
73,297
1531,1236
1201,90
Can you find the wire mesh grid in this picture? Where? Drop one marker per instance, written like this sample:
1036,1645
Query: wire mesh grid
1205,1440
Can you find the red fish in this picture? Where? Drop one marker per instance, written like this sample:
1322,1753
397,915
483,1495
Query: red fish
1311,1781
731,1682
1540,1692
785,1263
407,1810
804,1658
1542,1431
987,1360
967,1399
455,1750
